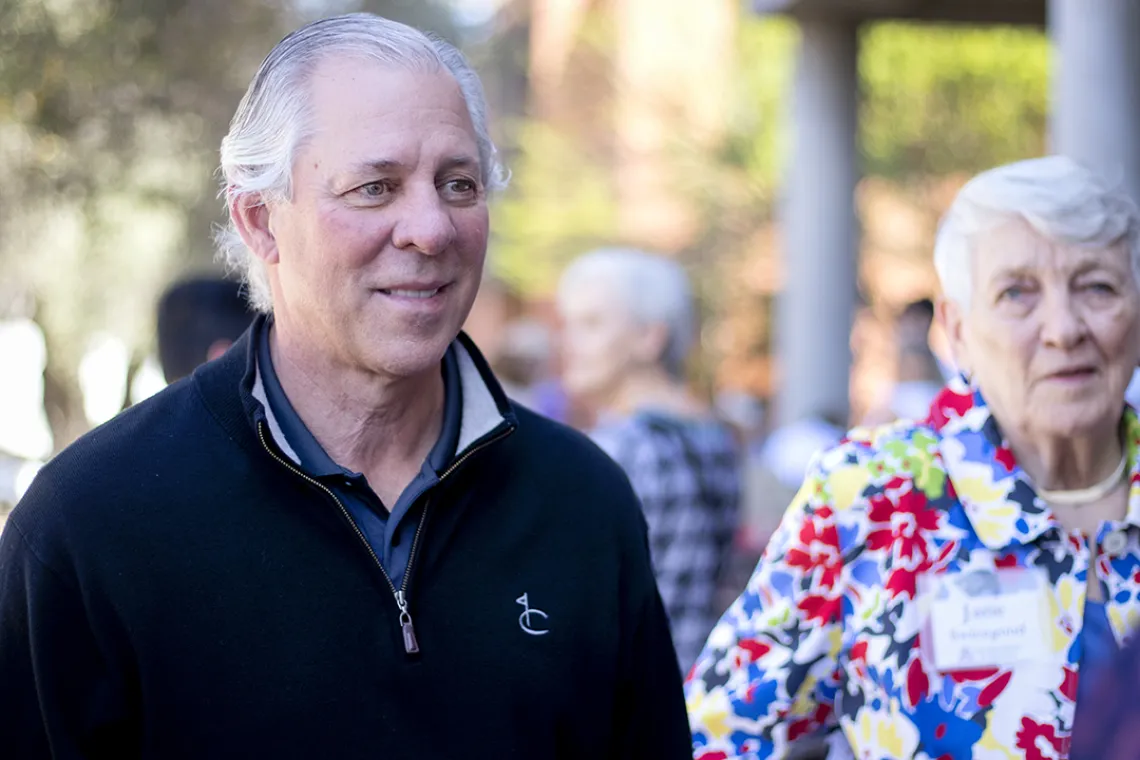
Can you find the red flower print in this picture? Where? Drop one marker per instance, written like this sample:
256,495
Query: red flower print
802,726
1006,560
1069,685
963,676
906,521
917,683
896,483
858,659
904,582
1040,742
1004,457
753,650
949,405
825,609
717,755
818,550
994,690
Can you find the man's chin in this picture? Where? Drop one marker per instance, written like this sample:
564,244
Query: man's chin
409,358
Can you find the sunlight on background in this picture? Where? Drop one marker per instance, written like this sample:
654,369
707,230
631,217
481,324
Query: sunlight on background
103,378
24,432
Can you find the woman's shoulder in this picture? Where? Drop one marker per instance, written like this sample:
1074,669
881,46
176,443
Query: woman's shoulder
873,460
908,441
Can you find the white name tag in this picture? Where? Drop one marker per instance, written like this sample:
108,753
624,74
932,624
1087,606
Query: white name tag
986,618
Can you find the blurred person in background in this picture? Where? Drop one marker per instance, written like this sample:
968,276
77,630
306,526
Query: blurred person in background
628,328
340,539
198,320
919,374
953,588
526,354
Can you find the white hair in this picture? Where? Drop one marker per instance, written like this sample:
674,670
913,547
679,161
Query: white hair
1057,197
274,119
652,289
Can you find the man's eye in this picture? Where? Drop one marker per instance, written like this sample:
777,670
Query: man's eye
1013,293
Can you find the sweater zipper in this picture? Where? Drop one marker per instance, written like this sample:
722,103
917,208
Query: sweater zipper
407,627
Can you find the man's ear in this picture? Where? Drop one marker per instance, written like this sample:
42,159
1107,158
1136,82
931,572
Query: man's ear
952,318
251,217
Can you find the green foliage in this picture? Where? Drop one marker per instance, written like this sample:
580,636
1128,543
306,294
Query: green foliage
756,141
111,114
940,100
559,204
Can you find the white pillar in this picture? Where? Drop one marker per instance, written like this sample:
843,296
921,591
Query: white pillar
820,239
1096,86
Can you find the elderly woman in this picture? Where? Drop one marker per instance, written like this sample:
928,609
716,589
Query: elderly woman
950,588
627,330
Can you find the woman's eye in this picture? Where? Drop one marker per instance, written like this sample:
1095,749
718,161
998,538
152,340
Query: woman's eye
373,189
1013,293
464,188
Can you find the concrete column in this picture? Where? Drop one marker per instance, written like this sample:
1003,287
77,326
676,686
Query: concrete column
816,308
1096,86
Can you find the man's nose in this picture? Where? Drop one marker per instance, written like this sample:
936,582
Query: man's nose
424,223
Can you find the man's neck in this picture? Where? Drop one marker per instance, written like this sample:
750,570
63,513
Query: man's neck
381,426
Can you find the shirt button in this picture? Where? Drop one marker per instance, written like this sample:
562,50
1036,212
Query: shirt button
1115,542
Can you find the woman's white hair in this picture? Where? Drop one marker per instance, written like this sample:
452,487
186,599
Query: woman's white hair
1057,197
273,119
652,289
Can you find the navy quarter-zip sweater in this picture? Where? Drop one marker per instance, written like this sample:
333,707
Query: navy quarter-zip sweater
172,587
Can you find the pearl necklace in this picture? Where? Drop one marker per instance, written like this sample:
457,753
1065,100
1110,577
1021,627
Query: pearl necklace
1086,495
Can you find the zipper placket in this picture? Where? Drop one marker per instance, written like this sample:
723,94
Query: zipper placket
407,627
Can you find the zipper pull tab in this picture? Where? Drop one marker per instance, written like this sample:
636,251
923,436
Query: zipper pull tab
411,646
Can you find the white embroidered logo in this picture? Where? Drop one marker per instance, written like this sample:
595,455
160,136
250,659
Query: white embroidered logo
525,621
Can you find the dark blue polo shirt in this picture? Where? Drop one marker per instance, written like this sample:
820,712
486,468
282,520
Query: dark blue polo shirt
389,532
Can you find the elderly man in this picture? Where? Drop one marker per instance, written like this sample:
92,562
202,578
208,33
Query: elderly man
340,539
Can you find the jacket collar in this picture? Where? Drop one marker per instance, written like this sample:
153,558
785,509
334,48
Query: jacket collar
997,495
486,411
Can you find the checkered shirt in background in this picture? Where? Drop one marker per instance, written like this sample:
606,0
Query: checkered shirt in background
687,474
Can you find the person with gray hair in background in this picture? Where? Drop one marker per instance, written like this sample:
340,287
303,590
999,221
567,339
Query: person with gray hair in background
628,329
955,587
340,539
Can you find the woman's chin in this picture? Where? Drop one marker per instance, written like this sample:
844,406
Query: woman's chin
1079,420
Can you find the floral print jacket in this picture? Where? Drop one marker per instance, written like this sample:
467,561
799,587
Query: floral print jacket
827,631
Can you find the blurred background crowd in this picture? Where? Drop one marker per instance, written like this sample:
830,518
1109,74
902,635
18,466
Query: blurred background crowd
790,157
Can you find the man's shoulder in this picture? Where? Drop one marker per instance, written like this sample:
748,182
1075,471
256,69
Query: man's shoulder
165,419
560,446
565,464
122,459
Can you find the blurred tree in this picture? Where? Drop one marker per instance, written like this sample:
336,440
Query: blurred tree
111,113
947,100
560,203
